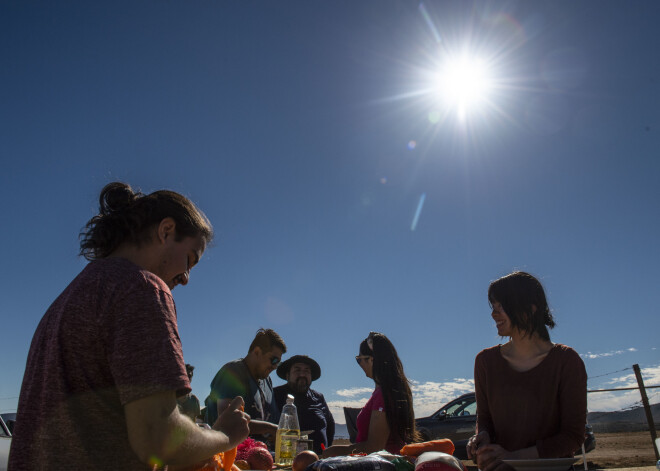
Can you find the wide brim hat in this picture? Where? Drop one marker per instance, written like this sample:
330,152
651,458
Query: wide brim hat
286,365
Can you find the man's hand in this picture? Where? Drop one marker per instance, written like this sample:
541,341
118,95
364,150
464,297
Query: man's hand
233,422
480,439
490,456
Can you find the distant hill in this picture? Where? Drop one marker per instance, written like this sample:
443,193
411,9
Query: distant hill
633,420
341,431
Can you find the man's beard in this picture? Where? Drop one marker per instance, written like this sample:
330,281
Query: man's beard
300,386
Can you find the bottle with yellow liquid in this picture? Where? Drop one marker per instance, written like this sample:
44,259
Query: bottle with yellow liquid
288,433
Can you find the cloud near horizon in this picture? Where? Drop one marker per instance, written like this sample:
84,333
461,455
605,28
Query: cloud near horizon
427,397
591,356
618,400
354,392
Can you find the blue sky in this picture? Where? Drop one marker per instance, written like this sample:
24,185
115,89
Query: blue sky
347,192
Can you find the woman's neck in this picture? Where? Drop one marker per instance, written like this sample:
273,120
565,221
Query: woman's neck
524,352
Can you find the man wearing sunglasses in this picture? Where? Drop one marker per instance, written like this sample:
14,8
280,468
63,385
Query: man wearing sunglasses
249,378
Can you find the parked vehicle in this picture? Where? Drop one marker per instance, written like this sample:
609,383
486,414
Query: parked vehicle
5,442
457,421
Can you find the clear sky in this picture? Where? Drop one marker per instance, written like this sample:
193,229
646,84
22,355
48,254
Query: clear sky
351,190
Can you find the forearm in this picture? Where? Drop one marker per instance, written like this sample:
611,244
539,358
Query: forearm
365,447
158,433
530,453
182,444
261,427
330,432
343,450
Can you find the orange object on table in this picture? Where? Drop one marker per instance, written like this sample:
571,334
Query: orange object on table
222,461
229,456
443,445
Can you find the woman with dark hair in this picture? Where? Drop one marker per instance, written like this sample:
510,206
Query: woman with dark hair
387,421
531,393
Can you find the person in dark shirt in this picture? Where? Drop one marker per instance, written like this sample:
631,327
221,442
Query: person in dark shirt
249,378
313,413
189,403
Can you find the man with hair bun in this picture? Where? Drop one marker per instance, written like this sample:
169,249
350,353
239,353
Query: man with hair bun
105,365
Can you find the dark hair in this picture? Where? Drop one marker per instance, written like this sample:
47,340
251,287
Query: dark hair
519,293
189,370
126,216
388,374
266,339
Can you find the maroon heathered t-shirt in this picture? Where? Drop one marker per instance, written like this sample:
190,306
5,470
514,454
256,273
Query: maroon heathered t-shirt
544,407
110,338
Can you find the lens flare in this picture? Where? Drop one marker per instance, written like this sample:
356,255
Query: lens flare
420,205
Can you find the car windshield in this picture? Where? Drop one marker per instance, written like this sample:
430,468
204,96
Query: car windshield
467,406
8,416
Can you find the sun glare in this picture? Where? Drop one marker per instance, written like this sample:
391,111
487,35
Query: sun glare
463,83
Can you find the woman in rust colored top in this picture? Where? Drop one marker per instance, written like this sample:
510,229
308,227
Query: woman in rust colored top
531,393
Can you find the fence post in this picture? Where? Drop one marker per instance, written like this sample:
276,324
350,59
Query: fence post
647,409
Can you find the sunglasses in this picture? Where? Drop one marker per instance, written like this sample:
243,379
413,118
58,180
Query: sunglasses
274,361
359,358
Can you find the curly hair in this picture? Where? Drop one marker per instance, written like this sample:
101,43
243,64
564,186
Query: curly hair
523,300
389,375
127,216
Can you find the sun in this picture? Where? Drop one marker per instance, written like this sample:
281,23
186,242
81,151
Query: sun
463,83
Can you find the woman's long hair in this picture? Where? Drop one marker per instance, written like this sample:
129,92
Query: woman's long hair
388,374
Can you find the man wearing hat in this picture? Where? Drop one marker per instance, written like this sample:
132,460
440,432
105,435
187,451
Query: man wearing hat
313,413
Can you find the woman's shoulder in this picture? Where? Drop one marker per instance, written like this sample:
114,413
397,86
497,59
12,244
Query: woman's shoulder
376,401
489,353
565,351
566,354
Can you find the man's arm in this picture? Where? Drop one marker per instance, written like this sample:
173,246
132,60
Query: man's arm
159,433
257,427
330,421
379,431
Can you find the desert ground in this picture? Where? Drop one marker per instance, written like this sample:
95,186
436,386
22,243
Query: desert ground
622,450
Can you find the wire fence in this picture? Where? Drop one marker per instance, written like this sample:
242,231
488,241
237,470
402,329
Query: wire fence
608,374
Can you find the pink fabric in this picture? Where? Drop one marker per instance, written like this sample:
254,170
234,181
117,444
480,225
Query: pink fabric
110,338
375,402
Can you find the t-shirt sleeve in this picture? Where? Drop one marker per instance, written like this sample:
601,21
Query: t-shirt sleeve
573,409
142,342
484,419
228,384
378,401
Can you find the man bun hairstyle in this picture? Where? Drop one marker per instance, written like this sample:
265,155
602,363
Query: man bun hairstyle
266,339
127,216
518,293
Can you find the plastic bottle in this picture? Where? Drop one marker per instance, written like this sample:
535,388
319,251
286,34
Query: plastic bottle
288,433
